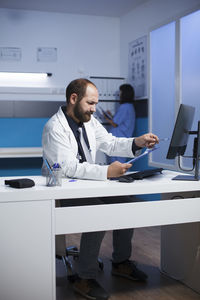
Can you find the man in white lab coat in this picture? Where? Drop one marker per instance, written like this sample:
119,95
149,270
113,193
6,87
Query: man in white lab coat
71,138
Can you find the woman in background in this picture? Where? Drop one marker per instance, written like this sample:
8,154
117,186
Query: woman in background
123,122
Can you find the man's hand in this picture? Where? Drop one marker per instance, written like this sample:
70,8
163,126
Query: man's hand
117,169
147,140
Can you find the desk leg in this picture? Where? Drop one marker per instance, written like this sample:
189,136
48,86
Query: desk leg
180,249
27,256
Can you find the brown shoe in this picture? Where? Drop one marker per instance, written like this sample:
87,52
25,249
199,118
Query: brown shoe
128,270
90,289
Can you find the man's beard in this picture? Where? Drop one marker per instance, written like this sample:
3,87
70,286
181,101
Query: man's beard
80,114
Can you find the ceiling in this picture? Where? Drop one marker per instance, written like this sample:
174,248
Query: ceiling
109,8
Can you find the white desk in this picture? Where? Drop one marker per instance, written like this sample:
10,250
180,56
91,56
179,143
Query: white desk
29,222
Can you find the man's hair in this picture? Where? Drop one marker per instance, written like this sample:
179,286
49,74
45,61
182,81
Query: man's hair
127,93
77,86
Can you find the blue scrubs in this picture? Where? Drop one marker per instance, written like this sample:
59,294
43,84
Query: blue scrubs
125,119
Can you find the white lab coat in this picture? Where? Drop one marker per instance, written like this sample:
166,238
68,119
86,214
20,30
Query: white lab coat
60,146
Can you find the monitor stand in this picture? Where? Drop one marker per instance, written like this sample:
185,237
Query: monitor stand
196,156
186,177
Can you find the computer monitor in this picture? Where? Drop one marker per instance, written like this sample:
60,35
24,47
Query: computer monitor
181,130
179,140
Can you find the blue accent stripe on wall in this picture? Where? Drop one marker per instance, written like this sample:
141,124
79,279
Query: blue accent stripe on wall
21,132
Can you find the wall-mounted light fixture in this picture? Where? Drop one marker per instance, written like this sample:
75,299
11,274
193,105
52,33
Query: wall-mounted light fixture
23,75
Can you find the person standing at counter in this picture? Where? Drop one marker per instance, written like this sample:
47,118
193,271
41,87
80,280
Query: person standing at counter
123,122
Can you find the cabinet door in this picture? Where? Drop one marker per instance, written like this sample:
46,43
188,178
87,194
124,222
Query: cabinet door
175,77
190,69
162,104
26,252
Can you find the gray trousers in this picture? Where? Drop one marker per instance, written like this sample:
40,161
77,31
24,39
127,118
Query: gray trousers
91,241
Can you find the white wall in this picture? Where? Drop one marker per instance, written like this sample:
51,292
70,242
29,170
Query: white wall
86,45
141,20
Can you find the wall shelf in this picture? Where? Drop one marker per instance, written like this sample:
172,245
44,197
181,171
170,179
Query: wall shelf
20,152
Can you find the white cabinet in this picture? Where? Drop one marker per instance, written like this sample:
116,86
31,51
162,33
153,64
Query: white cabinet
26,251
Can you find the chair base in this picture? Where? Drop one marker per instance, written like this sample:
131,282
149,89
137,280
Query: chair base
73,252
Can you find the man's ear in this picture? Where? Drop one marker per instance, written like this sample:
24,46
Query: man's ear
73,98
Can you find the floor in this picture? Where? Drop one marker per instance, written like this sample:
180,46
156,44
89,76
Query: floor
147,254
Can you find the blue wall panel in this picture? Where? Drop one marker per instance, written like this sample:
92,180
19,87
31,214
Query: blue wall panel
21,132
141,127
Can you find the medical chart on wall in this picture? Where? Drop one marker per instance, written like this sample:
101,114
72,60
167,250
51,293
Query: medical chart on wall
137,65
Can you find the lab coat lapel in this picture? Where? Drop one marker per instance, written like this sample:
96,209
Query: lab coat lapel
67,128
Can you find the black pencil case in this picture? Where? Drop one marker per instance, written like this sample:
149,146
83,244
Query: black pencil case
20,183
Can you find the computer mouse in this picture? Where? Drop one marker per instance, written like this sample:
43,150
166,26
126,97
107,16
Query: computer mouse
126,179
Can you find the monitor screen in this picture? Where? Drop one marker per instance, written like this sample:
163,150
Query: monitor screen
181,130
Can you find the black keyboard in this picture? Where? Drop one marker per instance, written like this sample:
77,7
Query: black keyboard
140,175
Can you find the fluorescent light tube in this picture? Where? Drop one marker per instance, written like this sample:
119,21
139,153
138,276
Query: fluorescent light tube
23,76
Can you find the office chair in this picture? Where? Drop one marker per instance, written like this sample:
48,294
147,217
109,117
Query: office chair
64,253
